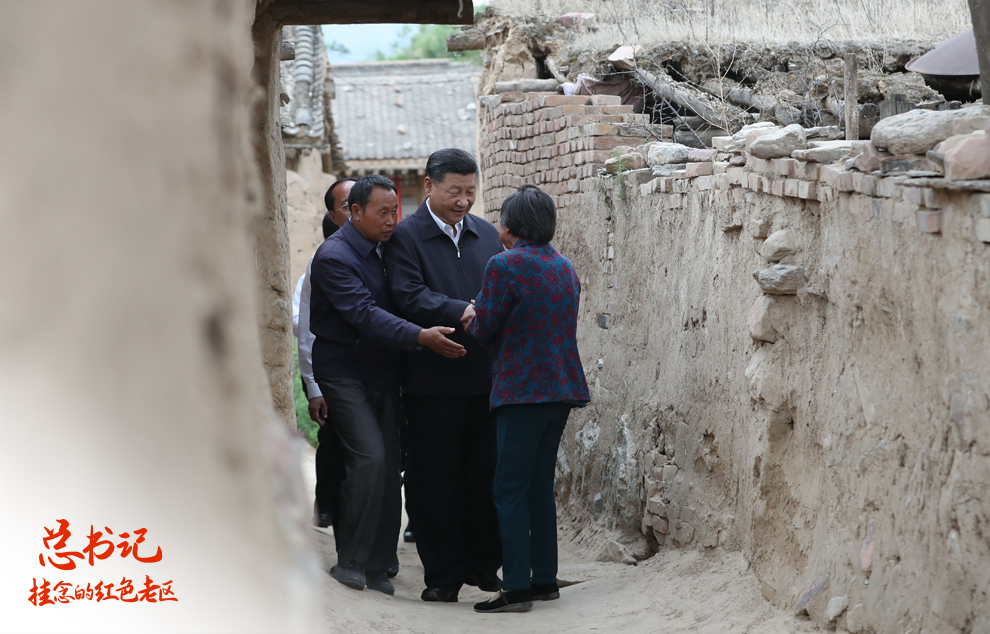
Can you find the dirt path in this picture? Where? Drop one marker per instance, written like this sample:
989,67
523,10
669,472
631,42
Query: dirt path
670,592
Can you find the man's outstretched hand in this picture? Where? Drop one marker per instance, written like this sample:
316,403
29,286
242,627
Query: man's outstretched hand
435,339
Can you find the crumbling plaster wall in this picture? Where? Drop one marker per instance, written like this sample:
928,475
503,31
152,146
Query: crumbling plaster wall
849,458
132,389
305,187
856,446
272,255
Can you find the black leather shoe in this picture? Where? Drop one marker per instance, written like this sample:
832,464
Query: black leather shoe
507,601
352,576
393,570
486,581
408,536
545,592
440,594
378,580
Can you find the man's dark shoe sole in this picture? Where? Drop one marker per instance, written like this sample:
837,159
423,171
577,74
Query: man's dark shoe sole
546,592
504,603
547,597
439,595
350,578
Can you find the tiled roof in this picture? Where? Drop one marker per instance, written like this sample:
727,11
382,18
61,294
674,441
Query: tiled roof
303,79
404,110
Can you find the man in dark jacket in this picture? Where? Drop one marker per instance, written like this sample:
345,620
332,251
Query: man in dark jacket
436,263
356,358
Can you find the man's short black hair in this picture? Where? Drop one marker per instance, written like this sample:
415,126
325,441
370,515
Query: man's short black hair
529,213
328,226
450,161
361,192
328,197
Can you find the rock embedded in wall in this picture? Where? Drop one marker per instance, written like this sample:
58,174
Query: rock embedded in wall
778,246
781,279
917,131
779,143
760,327
666,153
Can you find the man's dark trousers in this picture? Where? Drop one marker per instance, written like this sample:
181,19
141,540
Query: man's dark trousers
366,422
329,472
453,457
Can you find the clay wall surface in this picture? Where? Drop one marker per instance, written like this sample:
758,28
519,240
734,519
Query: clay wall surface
837,434
305,188
132,389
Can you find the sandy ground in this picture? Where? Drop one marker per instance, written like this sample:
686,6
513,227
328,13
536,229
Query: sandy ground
670,592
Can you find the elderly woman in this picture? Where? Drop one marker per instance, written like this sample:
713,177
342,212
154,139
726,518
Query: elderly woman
528,309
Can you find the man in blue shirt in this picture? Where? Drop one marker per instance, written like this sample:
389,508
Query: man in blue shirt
356,362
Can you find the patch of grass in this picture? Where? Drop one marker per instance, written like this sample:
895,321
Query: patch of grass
305,424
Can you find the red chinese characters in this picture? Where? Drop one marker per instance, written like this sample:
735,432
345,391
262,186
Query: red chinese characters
48,593
98,547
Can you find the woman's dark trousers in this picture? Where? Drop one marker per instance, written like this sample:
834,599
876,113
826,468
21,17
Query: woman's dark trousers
528,439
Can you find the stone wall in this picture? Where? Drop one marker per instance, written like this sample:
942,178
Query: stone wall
830,419
305,188
132,384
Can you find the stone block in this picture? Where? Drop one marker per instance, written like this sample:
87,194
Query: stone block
865,184
929,221
889,187
778,246
807,190
550,101
657,506
826,194
692,170
783,166
777,187
828,151
754,182
662,153
720,142
606,100
638,177
934,198
701,155
721,167
781,279
807,171
983,229
791,187
721,181
661,526
919,130
704,183
835,607
869,159
969,159
779,143
755,164
758,319
736,175
683,532
600,129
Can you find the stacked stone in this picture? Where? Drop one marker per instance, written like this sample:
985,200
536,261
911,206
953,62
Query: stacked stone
557,142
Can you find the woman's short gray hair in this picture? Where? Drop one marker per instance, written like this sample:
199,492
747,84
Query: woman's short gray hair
529,214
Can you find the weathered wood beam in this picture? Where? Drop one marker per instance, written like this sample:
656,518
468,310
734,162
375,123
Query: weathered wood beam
681,97
467,40
979,10
367,12
851,118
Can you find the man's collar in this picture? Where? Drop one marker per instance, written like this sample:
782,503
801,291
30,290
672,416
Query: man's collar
358,242
459,226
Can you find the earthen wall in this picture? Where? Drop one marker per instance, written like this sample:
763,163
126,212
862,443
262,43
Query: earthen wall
838,434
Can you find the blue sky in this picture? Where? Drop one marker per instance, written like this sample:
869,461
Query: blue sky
362,39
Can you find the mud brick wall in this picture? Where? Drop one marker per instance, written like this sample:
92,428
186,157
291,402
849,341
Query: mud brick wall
557,142
787,359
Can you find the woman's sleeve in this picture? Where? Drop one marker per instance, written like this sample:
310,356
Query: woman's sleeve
493,302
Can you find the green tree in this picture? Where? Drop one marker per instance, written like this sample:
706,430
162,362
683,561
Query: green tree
428,42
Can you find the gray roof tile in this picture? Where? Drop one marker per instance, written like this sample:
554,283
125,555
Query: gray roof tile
403,110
